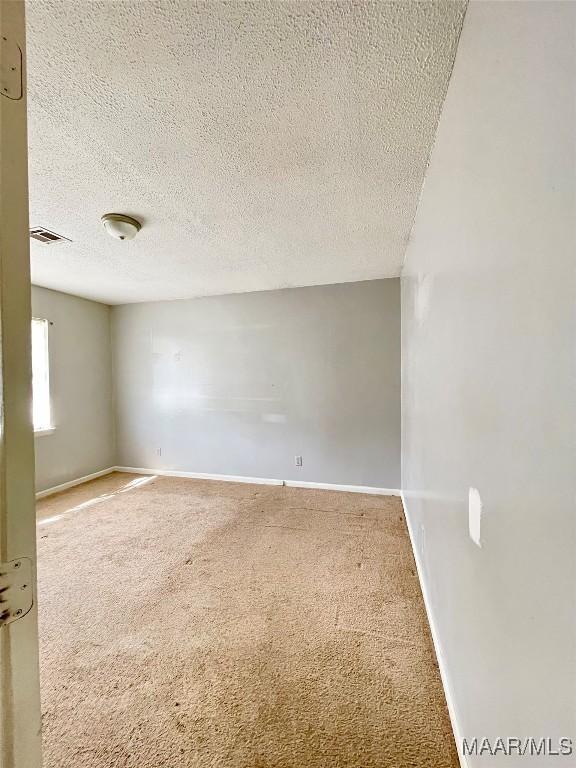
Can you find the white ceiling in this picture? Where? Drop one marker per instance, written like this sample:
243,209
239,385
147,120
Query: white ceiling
262,144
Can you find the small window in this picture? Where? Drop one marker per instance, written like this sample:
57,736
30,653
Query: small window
41,411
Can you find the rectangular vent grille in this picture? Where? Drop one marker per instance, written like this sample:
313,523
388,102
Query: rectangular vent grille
46,237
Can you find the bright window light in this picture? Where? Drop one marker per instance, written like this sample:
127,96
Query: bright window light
41,414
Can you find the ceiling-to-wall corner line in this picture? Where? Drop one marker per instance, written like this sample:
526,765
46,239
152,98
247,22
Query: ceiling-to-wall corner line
433,144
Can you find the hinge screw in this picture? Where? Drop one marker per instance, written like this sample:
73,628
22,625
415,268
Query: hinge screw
18,612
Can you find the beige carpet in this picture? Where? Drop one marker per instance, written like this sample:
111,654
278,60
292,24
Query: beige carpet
199,624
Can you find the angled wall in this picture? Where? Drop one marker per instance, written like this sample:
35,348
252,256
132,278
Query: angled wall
489,377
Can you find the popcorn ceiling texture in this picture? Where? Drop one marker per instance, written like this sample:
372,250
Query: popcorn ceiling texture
236,626
263,144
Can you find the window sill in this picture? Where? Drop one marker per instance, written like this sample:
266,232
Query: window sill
47,431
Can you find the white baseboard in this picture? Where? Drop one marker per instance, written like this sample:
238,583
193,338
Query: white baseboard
224,478
436,640
72,483
199,475
348,488
260,481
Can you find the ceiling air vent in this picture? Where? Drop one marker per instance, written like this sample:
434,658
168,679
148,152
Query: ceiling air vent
45,236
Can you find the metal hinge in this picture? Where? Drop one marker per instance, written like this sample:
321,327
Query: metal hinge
10,69
16,594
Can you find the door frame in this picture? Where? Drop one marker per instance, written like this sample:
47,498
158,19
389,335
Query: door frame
20,714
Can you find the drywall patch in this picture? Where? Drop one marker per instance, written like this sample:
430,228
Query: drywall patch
474,515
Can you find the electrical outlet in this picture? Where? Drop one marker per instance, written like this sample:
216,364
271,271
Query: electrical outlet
298,460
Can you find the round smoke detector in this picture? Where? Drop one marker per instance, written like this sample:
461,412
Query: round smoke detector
120,226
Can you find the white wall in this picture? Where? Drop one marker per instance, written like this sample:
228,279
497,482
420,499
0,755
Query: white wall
489,375
242,384
80,388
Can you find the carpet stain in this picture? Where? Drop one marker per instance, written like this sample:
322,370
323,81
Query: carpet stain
203,624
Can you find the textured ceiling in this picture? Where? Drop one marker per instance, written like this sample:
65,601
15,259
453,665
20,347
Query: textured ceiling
262,144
